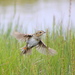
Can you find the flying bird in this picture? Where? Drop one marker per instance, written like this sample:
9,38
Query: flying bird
34,40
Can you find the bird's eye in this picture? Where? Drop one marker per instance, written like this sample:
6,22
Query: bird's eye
40,32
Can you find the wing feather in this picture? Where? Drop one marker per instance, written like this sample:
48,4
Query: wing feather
42,48
21,36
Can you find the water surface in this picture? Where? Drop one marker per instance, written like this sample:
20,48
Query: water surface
37,15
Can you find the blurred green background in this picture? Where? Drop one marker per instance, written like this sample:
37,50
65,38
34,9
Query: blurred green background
56,17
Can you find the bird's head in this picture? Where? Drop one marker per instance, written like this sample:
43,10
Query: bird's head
39,33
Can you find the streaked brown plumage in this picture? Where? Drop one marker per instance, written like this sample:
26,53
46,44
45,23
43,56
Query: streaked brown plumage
34,40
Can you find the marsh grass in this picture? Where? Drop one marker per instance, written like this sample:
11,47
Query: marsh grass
12,63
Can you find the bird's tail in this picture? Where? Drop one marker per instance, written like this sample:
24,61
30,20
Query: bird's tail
25,50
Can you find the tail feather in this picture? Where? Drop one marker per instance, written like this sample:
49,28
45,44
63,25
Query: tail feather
25,50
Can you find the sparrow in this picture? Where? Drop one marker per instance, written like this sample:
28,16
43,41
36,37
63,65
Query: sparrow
34,40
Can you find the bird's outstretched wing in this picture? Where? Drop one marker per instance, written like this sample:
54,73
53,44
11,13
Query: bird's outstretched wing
21,36
42,48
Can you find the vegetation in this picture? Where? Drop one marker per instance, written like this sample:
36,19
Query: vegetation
12,63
